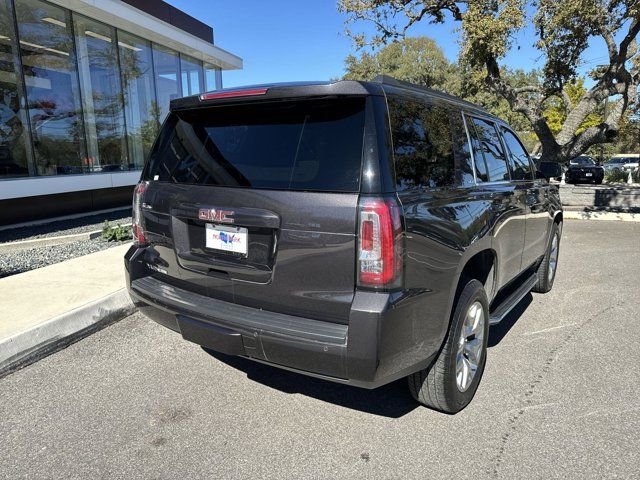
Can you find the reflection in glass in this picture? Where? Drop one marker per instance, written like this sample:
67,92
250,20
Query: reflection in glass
191,71
521,167
53,97
491,150
422,143
210,77
167,67
101,98
13,119
141,109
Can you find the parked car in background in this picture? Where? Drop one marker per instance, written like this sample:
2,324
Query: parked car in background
551,170
632,161
359,232
615,164
583,169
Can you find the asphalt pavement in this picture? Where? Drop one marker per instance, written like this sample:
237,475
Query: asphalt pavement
559,398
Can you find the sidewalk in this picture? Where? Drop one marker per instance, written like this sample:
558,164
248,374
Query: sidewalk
44,307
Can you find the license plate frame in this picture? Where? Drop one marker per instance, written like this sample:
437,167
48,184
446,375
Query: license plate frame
227,239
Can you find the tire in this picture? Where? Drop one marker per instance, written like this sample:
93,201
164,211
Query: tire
599,181
437,386
545,279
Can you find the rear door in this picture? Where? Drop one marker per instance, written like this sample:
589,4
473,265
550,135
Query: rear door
538,220
256,203
502,200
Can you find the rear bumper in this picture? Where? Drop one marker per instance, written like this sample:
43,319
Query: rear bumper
357,354
582,176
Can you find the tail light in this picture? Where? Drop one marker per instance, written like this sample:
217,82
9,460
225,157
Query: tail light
380,245
137,221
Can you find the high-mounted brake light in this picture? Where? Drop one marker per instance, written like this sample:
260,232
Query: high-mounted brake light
137,221
380,246
234,93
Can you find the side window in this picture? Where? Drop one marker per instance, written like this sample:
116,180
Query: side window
461,151
422,144
518,157
490,150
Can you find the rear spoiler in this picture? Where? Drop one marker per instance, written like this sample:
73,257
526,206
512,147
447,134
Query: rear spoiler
276,92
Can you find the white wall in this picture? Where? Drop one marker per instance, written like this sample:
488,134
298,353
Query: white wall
33,186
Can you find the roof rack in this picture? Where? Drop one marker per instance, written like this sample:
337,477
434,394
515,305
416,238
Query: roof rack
394,82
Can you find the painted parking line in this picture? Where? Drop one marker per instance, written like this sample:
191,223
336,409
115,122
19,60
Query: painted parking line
549,329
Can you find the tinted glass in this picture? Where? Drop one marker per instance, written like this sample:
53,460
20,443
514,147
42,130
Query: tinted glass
306,145
102,102
53,94
490,151
192,78
422,144
167,69
478,156
521,167
14,134
585,161
141,110
461,151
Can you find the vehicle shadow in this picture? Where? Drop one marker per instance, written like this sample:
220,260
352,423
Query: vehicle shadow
392,400
499,331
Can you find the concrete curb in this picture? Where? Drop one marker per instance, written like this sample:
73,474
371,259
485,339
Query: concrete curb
596,215
57,333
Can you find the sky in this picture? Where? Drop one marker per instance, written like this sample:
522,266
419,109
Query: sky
291,40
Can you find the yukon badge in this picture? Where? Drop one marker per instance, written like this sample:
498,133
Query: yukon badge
213,215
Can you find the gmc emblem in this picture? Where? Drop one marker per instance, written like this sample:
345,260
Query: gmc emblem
213,215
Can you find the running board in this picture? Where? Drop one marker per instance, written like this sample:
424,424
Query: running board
512,300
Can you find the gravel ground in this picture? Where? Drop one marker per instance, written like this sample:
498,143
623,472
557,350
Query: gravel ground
89,223
29,259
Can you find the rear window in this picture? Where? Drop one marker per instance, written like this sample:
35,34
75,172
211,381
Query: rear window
307,145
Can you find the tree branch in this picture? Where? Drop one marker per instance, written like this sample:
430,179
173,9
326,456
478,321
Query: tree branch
626,42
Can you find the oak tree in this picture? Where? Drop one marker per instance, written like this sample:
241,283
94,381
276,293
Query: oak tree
563,29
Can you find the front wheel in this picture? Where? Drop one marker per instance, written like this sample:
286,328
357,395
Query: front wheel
452,380
547,269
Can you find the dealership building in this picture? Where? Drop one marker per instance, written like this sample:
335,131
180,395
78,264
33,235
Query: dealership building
84,86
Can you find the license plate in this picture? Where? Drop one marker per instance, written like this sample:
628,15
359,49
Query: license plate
589,174
226,238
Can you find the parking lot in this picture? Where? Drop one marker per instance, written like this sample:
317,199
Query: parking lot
559,398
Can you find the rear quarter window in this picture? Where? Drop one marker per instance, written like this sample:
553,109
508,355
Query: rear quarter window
313,145
422,144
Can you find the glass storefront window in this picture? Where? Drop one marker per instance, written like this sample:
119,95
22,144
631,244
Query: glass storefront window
141,109
14,132
191,70
101,95
51,81
210,72
166,66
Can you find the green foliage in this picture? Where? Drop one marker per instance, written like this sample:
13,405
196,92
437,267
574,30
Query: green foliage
616,177
556,112
563,30
119,233
418,60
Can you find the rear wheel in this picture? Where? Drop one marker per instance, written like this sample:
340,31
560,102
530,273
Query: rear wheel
547,269
452,380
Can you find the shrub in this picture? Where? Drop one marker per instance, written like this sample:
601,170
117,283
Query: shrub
616,177
118,233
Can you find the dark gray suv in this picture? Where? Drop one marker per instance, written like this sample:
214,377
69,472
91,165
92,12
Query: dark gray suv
359,232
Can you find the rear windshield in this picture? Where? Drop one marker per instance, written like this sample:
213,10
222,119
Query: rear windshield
302,145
